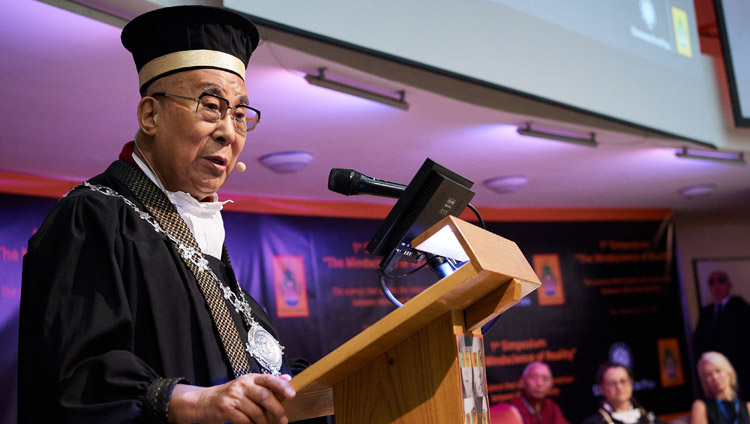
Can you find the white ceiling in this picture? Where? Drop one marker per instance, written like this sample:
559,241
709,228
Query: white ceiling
68,92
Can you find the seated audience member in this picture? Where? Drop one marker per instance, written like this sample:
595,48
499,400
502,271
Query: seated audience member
718,331
618,404
721,404
533,405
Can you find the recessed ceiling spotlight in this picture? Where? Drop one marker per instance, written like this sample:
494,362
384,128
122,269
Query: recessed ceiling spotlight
507,183
697,190
286,162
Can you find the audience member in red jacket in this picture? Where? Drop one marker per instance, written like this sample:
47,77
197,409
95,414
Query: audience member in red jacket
533,405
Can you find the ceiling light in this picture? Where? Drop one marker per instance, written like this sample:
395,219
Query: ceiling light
506,184
697,190
737,158
320,80
286,162
527,131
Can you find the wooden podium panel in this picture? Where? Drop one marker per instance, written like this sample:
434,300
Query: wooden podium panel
404,368
402,382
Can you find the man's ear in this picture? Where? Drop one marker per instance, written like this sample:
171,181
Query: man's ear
148,109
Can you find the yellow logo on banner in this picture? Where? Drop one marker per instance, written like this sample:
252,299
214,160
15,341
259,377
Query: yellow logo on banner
547,268
670,363
290,286
681,32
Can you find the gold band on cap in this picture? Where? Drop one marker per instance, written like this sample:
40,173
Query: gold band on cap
190,59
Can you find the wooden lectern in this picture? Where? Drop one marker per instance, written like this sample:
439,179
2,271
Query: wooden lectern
404,368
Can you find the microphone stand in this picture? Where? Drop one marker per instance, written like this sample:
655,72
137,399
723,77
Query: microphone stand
442,266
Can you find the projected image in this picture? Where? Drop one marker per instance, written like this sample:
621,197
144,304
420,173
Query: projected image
653,29
603,57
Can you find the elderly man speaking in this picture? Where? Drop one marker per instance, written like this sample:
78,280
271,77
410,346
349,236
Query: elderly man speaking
130,309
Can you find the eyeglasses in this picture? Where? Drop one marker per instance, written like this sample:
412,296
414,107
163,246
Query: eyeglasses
615,383
213,108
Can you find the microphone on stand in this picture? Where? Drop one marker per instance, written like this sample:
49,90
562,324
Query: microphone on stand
350,182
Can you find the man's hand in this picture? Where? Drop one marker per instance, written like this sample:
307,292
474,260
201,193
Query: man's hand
250,399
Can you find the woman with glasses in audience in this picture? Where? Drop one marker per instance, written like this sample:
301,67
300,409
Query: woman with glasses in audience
721,405
618,404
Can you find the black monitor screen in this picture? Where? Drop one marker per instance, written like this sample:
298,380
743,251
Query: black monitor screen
434,193
733,19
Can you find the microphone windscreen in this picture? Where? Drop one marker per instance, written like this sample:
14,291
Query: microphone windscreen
241,166
343,181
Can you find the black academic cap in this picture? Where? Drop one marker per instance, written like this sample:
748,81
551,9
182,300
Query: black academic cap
173,39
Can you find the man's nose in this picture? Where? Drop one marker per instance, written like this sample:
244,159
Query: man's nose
225,132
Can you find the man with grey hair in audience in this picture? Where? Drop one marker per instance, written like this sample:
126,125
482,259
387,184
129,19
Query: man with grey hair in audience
533,405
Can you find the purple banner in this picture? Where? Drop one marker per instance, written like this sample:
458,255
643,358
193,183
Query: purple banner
20,216
609,292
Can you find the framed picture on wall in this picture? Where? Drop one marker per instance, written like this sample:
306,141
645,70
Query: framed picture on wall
736,269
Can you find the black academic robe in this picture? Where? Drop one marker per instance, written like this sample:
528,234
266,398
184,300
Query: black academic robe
111,318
